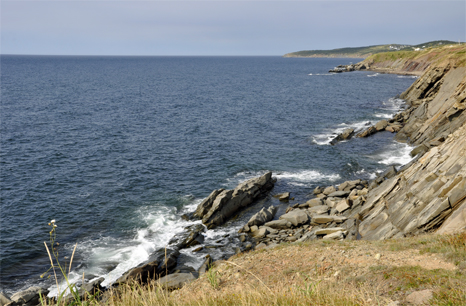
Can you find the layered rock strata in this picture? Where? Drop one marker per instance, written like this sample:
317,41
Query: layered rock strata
430,192
426,195
222,204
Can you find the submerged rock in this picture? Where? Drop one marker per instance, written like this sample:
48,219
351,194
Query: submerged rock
284,197
160,264
345,135
190,236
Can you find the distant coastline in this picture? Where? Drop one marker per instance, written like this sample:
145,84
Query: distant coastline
364,52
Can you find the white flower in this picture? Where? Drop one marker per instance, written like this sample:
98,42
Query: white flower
53,221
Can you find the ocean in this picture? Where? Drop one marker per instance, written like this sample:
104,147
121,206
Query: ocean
116,149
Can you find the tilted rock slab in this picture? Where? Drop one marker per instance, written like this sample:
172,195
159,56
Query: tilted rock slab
222,204
339,235
263,216
160,263
279,224
329,230
296,217
440,109
429,193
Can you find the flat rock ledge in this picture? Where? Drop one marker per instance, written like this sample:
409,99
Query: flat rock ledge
222,204
328,216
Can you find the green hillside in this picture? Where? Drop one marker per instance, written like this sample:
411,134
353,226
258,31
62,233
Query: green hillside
363,52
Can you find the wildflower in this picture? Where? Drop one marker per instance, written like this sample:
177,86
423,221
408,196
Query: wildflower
53,221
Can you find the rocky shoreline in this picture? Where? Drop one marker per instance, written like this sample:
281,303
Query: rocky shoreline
426,195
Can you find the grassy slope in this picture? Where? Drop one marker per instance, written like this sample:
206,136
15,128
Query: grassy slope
437,55
363,52
359,52
416,62
325,273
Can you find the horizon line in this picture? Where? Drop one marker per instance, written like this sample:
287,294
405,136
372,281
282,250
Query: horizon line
128,55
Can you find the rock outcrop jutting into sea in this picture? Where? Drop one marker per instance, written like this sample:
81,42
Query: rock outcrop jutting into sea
221,204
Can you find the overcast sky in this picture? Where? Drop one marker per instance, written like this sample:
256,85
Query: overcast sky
222,27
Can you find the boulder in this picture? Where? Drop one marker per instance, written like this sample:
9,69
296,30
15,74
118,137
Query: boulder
175,281
318,210
348,185
283,196
390,129
314,202
279,224
225,203
296,217
322,219
307,236
318,190
261,232
342,205
330,203
339,235
263,216
381,125
346,134
369,131
329,190
339,194
328,230
28,297
4,298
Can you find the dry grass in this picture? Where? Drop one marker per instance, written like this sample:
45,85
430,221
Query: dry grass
322,273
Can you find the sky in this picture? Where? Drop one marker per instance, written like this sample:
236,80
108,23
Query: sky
220,27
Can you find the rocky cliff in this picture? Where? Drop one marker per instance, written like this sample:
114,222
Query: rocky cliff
416,62
428,194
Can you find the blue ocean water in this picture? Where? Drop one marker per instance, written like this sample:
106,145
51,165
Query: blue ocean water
117,148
